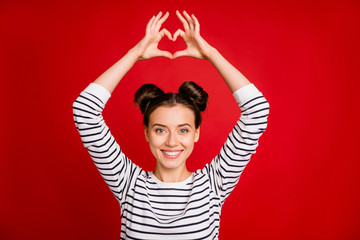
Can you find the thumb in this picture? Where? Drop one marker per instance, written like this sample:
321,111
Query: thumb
166,54
182,53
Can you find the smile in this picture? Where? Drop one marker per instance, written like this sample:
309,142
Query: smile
171,154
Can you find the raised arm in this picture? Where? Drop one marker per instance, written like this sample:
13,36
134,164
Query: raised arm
225,169
145,49
197,47
117,170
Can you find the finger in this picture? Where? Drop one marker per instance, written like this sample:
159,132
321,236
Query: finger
182,53
166,32
190,21
177,33
161,21
148,26
182,19
156,20
197,24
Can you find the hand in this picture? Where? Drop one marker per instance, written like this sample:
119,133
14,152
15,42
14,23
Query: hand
148,46
196,46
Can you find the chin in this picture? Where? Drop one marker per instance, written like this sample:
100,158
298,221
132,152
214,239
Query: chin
171,164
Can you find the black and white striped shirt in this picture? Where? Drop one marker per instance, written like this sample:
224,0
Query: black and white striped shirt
151,209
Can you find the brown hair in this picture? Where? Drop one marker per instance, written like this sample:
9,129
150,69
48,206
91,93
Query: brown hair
149,97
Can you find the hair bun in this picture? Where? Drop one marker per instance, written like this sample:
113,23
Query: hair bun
195,93
145,94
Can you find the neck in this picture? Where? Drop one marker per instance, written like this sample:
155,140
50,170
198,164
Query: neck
174,175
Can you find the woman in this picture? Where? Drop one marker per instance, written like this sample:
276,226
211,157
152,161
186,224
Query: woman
171,202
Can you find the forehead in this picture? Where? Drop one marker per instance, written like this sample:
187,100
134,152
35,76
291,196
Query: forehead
172,115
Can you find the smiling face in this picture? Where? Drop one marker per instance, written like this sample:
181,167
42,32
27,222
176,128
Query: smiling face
171,134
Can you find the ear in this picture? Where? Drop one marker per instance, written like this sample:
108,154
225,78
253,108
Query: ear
146,134
197,134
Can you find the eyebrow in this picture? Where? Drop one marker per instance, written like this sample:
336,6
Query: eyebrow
161,125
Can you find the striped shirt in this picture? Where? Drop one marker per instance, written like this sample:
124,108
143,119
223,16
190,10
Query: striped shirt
151,209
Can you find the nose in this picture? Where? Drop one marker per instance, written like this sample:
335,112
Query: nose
171,140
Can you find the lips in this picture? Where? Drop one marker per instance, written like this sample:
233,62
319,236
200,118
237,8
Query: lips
171,154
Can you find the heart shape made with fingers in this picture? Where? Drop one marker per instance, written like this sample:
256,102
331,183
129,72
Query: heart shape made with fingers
170,45
195,45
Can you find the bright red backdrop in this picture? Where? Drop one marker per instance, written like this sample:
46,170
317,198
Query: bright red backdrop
303,181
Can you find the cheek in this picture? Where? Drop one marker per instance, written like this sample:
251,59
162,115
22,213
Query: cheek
155,141
189,141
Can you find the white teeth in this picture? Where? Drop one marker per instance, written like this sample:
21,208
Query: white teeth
172,153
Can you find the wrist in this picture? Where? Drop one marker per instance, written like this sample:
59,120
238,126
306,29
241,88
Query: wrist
135,52
212,54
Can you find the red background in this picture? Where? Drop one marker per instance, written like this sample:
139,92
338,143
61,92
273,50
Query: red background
302,183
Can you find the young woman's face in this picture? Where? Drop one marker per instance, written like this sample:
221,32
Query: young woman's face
171,134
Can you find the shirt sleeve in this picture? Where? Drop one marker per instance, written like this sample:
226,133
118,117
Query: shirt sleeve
115,168
225,169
